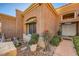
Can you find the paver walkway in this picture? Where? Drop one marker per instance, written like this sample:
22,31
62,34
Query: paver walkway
65,48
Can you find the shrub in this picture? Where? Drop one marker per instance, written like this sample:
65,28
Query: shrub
55,41
76,43
34,39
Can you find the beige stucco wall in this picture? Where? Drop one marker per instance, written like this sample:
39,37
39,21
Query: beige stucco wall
50,20
34,13
8,25
19,24
46,20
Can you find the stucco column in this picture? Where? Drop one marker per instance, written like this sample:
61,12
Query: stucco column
61,17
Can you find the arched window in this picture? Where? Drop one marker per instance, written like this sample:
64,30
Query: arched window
31,25
31,20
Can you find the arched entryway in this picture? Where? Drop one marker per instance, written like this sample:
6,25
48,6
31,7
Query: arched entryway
31,25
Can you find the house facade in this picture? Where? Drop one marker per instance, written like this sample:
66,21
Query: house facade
38,18
69,19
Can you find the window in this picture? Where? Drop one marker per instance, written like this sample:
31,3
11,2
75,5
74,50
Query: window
68,16
32,28
31,25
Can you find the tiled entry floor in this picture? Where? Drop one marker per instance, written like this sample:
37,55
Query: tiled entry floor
65,48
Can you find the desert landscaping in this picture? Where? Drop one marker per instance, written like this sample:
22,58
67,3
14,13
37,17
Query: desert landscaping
33,45
41,30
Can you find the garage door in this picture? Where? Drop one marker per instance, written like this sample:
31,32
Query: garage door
69,29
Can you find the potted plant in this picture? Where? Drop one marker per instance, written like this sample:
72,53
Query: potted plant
33,42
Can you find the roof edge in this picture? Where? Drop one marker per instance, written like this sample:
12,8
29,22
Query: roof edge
29,8
64,5
53,9
19,10
7,15
34,5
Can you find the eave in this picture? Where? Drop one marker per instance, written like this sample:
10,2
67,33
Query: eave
35,5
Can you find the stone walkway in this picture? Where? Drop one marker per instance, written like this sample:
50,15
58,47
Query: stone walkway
65,48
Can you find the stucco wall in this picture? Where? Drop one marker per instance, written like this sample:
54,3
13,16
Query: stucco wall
46,20
19,24
8,25
51,20
34,13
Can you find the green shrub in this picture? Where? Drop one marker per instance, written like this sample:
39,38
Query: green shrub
55,41
76,43
34,39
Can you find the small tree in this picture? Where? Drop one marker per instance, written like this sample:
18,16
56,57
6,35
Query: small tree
47,38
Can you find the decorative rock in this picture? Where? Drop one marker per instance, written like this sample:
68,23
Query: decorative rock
41,42
7,48
26,38
15,41
23,48
9,39
2,38
33,47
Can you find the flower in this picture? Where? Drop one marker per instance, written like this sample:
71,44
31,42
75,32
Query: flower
46,31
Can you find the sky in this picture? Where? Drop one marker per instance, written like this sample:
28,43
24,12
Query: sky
10,8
